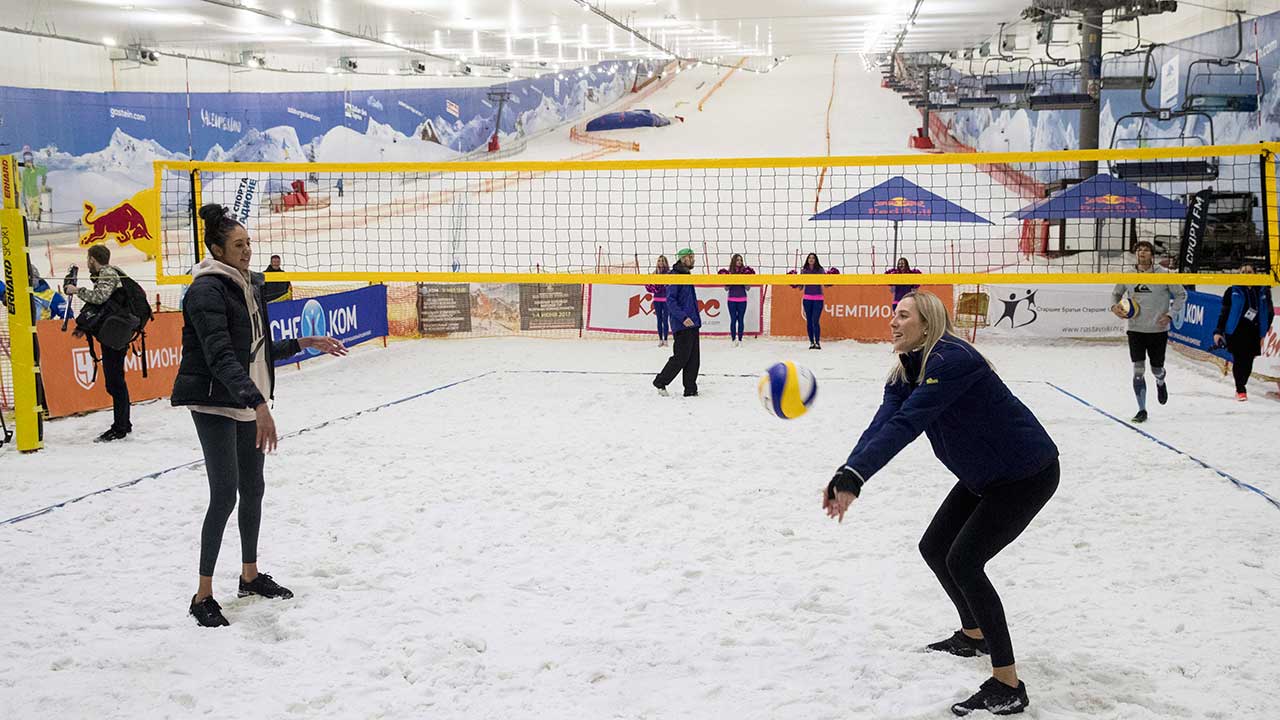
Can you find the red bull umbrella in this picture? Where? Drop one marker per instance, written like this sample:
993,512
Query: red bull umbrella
899,200
1103,196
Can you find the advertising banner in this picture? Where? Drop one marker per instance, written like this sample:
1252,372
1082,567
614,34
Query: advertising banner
444,308
1194,326
353,317
70,385
858,312
550,307
629,309
1051,311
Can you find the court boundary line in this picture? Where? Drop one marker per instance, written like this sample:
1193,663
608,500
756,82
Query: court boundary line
151,476
1234,481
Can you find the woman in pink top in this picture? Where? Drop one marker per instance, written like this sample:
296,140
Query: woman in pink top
813,299
659,301
737,298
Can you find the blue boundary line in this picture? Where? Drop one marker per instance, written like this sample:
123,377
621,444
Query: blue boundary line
194,463
1234,481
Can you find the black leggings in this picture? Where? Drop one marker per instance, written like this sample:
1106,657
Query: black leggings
966,532
233,463
1244,346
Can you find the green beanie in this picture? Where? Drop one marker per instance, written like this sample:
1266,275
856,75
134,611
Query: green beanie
683,252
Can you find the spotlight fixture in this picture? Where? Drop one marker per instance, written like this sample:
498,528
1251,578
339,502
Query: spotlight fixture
142,55
347,64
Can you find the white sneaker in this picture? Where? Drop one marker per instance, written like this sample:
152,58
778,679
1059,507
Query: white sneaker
663,392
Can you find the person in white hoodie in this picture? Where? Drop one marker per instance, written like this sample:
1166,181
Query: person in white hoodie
1157,305
225,377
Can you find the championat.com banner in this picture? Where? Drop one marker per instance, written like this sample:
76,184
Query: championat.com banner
629,309
353,317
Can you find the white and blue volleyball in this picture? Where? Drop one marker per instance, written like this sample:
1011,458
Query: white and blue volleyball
1128,307
787,390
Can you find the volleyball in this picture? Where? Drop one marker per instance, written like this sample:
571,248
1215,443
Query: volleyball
787,390
1129,307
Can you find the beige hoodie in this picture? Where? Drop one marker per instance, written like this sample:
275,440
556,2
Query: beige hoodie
259,372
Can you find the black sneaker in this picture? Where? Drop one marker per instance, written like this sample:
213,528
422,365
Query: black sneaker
208,612
110,435
817,346
813,346
266,587
1162,393
996,698
691,394
960,645
1141,417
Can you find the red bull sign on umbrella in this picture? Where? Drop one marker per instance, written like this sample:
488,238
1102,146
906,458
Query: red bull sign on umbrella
899,199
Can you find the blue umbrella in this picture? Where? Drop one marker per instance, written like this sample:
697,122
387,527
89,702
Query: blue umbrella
1103,196
899,200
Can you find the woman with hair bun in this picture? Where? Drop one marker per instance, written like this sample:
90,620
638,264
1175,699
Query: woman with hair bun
226,377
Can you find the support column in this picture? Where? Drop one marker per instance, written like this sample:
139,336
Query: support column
1090,82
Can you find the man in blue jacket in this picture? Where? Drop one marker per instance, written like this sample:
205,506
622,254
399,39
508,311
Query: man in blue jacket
683,316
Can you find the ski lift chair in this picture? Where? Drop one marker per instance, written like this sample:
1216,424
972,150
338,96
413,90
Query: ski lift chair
1198,170
1010,82
1057,89
1125,70
1222,85
1226,84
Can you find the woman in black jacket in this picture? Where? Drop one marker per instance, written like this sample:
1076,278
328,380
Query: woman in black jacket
1242,327
226,376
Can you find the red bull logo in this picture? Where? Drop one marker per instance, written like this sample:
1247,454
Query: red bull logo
123,221
1114,201
901,205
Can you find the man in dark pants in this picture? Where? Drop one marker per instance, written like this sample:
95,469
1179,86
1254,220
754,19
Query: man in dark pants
106,281
273,291
683,316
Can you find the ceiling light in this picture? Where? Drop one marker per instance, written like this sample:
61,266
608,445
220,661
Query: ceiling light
108,41
330,70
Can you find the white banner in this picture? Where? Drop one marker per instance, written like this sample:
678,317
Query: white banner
629,309
1169,78
1269,362
1065,311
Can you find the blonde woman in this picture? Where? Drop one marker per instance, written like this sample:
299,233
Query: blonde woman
1006,464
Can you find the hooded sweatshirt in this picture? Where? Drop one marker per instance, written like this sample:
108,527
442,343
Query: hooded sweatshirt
259,372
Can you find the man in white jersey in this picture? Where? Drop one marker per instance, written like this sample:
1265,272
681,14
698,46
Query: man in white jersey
1149,326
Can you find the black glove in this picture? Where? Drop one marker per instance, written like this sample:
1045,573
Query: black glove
845,480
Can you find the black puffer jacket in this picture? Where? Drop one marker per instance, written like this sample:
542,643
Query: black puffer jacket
217,339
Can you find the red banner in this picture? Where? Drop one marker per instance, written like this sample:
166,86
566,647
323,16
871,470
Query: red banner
858,312
70,386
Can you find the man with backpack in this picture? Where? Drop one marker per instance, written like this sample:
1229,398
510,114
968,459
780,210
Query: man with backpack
115,310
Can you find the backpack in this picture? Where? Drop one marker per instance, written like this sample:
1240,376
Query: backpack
119,321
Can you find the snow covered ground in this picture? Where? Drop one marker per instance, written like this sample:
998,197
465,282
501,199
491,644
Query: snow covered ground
549,538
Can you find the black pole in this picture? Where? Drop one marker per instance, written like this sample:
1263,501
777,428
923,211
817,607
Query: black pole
1273,263
1090,83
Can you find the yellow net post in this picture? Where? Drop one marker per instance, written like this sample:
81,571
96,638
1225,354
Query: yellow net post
13,240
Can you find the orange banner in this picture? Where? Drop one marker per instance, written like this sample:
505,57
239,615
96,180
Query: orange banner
67,368
858,312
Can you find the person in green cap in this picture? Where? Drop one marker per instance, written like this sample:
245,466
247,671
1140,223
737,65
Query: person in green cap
683,316
33,180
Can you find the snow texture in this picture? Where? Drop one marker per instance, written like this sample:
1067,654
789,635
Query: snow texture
551,539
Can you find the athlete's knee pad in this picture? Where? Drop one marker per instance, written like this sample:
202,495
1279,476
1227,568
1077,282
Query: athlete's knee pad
1158,372
1139,368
